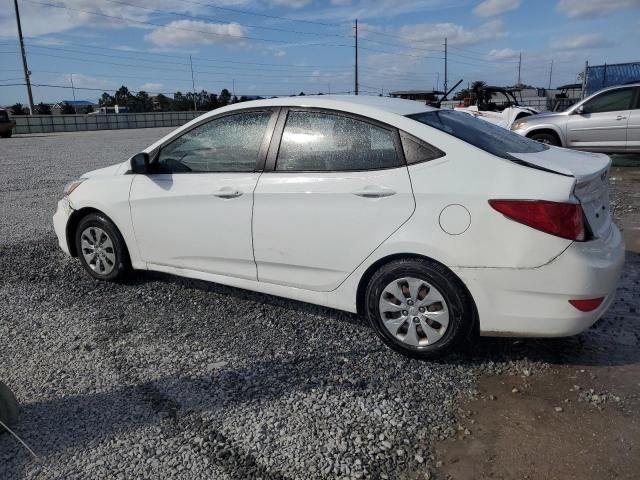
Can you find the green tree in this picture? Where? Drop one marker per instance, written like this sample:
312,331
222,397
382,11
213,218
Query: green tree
89,109
124,97
142,102
106,100
162,103
224,98
67,109
18,109
301,94
43,109
182,102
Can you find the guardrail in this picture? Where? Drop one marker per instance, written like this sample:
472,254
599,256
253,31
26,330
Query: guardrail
112,121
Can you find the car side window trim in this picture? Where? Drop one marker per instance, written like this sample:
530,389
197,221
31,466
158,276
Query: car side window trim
274,147
262,153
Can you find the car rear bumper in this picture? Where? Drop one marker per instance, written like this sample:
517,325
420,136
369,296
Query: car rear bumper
60,219
535,302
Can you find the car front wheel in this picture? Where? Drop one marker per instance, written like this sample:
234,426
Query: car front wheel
546,138
419,308
101,248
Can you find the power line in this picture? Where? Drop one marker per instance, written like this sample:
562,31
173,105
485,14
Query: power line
201,59
288,19
198,17
173,27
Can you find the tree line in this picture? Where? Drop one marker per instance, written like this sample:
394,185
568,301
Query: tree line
143,102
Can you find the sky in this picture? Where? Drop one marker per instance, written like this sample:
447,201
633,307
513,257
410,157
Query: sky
280,47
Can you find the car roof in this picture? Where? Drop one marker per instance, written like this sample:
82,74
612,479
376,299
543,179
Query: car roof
349,103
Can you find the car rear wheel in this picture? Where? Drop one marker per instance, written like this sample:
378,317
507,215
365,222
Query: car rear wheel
101,248
546,138
419,308
6,134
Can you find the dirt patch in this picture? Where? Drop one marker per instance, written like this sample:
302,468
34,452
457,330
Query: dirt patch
580,419
569,423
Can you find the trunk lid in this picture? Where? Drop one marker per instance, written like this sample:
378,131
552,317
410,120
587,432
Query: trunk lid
592,183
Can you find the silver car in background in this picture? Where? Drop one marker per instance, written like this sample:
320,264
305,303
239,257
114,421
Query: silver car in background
607,121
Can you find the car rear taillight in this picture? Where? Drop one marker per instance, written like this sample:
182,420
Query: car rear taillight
587,305
564,220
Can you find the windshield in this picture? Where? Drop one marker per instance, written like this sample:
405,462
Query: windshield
479,133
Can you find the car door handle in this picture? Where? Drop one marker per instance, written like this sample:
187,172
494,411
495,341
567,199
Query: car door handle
227,192
621,117
374,191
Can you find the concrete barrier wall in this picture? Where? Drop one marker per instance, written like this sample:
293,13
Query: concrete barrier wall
78,123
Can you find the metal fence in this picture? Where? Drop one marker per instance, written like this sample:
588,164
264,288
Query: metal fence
78,123
601,76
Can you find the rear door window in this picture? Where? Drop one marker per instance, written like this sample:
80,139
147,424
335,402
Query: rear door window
323,142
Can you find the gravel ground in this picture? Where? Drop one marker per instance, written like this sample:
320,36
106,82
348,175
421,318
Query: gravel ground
164,377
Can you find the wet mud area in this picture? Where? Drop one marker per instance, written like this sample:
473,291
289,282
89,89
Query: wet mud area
576,413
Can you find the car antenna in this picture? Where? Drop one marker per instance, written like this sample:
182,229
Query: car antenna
447,93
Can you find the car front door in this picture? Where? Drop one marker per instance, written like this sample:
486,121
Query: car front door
633,127
193,209
602,124
334,188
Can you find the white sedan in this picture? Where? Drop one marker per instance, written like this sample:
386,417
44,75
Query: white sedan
429,222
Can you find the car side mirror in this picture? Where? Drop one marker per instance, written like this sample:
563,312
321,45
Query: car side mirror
140,163
580,110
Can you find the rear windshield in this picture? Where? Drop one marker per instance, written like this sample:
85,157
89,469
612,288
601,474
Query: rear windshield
490,138
3,115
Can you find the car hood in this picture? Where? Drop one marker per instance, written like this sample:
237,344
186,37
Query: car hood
106,171
581,165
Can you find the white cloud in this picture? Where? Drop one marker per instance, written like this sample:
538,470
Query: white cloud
432,34
85,81
152,87
491,8
502,54
577,42
290,3
279,53
189,32
592,8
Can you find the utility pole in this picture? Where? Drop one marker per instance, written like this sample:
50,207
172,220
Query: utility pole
446,78
519,66
550,73
193,85
584,78
356,65
27,73
73,90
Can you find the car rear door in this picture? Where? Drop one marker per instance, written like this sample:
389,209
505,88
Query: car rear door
633,126
193,210
334,188
603,124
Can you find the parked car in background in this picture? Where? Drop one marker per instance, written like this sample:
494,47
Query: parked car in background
6,124
497,105
429,222
607,121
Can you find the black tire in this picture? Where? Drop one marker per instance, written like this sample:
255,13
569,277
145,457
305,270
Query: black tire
8,406
458,302
6,134
546,138
117,267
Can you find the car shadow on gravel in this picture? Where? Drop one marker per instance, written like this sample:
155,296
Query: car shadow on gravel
613,340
